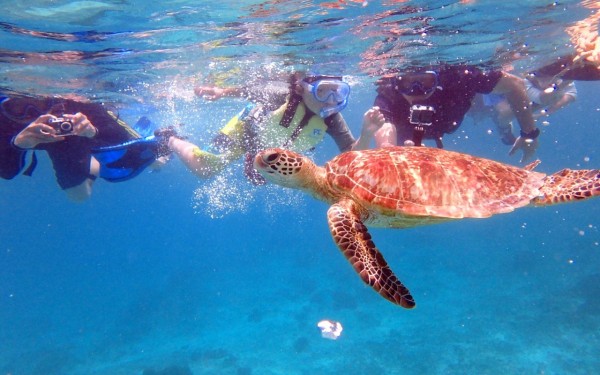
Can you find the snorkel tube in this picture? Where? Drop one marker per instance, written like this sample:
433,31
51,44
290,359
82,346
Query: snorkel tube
331,110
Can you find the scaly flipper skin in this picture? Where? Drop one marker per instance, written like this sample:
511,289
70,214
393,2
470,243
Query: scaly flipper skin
354,240
569,185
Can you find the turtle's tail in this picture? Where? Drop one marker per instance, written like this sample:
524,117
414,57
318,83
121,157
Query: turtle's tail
569,185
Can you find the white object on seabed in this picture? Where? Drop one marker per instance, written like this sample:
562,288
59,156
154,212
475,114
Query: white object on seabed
330,329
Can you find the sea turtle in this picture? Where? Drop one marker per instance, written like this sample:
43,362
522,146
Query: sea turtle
403,187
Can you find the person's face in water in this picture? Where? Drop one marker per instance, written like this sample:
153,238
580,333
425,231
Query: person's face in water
416,87
308,98
324,97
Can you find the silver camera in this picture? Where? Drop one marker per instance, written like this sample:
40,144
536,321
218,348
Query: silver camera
63,126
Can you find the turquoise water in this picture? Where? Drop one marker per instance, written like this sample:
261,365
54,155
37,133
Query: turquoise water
220,277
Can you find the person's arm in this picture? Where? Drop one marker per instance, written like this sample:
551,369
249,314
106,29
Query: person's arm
39,131
568,94
564,101
340,132
513,89
215,93
386,135
270,94
36,133
82,126
12,159
395,126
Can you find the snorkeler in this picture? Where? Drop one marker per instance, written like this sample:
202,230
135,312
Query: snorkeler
80,139
309,110
427,103
547,95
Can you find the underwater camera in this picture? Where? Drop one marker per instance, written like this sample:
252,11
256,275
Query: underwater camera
421,115
63,126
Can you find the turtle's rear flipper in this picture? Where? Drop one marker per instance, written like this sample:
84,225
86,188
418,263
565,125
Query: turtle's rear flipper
569,185
353,239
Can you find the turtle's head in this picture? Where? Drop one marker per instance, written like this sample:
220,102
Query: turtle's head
286,168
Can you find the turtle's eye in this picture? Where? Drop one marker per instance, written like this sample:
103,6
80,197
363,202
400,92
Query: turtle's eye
270,158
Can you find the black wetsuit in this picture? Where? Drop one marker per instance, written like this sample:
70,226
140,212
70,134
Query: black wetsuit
458,85
71,157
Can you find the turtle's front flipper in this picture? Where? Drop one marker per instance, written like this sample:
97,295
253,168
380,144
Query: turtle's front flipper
354,240
569,185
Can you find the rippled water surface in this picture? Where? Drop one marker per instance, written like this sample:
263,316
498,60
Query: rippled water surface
119,47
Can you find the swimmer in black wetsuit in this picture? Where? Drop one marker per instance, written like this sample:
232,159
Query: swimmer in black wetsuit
428,103
26,123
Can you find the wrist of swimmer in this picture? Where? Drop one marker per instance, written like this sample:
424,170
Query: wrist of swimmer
533,134
14,145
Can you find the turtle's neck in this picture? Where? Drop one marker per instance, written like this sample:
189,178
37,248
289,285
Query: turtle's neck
317,186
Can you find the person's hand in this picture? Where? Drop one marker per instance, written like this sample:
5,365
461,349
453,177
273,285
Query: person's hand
210,92
592,56
81,125
37,132
527,145
589,47
373,120
587,44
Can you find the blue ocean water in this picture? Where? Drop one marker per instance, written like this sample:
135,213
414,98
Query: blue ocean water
169,273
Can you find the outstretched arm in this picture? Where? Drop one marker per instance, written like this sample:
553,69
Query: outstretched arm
564,101
215,93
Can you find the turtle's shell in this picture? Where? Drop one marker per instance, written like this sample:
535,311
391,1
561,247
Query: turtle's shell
429,183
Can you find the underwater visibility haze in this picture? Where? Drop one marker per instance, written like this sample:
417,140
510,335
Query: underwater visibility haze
169,274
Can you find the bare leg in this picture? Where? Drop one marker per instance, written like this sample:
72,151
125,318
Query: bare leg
83,191
503,120
201,163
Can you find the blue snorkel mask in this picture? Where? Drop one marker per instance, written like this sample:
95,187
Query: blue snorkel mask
330,90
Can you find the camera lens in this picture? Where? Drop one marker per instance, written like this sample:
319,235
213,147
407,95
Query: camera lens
66,126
